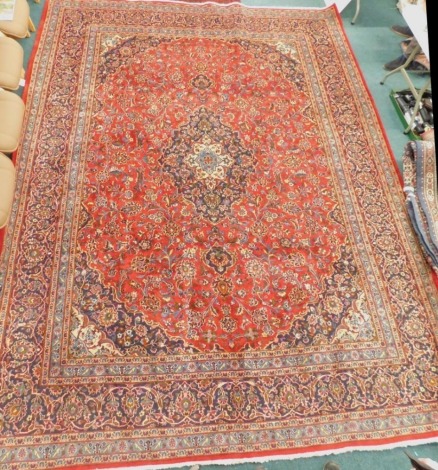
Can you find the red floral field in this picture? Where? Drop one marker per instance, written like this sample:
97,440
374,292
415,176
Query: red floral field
209,256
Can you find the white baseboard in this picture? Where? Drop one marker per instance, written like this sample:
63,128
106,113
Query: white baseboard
341,4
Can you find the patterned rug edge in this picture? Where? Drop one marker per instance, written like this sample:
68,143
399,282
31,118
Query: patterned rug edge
261,456
195,463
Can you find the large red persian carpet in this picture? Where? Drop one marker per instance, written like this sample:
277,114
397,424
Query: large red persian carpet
209,255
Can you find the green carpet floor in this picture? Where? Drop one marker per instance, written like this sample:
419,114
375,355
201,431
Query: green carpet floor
373,44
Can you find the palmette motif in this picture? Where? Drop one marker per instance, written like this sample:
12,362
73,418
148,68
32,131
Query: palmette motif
209,256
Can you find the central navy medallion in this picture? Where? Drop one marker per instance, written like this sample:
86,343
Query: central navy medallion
209,164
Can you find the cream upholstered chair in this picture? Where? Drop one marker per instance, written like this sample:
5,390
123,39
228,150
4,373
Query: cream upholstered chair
11,63
21,25
7,188
11,120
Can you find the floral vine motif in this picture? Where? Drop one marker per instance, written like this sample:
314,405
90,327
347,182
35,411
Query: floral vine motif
207,231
